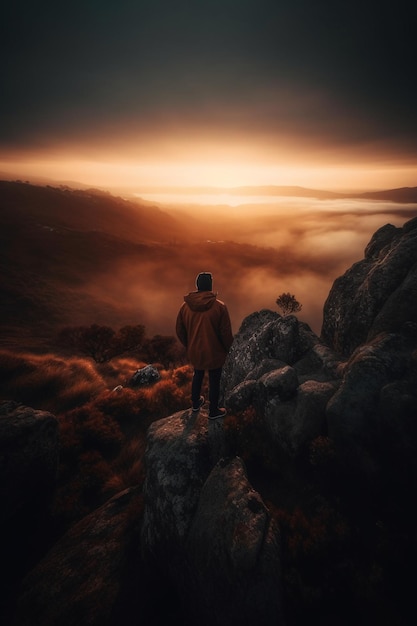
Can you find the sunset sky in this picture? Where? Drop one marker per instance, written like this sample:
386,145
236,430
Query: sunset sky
221,92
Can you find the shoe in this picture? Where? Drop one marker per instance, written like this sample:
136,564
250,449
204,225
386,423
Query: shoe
217,414
200,404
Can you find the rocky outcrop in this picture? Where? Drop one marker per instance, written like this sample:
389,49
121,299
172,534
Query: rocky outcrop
265,341
301,384
377,294
286,374
207,528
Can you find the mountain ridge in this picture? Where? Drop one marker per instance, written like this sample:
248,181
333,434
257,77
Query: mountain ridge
400,194
404,194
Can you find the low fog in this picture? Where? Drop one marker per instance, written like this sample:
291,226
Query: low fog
255,253
81,258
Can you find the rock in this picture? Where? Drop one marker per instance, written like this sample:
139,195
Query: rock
92,574
353,414
144,376
177,464
262,337
29,454
234,557
309,419
294,423
399,313
282,382
376,294
242,396
208,529
265,366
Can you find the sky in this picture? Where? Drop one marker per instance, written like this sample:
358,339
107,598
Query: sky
136,93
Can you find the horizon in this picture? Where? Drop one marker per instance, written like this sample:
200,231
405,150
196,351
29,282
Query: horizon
38,175
118,177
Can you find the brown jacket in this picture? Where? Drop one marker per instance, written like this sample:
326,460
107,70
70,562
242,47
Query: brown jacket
203,327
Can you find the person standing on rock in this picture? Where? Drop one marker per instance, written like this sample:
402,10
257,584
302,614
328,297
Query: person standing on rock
203,327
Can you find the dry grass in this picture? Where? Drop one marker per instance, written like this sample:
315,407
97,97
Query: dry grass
47,381
102,429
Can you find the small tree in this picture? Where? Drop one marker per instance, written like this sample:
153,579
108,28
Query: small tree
288,304
163,349
102,343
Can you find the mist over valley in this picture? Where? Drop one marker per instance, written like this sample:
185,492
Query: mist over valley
73,256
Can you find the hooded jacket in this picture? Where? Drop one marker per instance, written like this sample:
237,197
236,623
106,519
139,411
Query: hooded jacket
203,327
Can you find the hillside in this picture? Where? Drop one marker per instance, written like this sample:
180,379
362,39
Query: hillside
57,248
84,210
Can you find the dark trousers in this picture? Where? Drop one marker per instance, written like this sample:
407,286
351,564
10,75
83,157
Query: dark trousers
214,387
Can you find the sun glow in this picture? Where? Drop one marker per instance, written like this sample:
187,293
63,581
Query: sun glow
209,168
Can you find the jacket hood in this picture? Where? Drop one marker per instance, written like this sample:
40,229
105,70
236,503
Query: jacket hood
200,300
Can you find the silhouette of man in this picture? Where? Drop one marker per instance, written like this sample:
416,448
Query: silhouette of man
203,327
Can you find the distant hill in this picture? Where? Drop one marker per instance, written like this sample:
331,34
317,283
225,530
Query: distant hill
85,210
402,194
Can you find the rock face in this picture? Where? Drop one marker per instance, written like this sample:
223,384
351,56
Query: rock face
376,295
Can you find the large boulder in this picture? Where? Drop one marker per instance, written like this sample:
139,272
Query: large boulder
233,550
289,387
293,423
354,412
206,529
265,339
377,294
177,465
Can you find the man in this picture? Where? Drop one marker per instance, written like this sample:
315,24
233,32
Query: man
203,327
